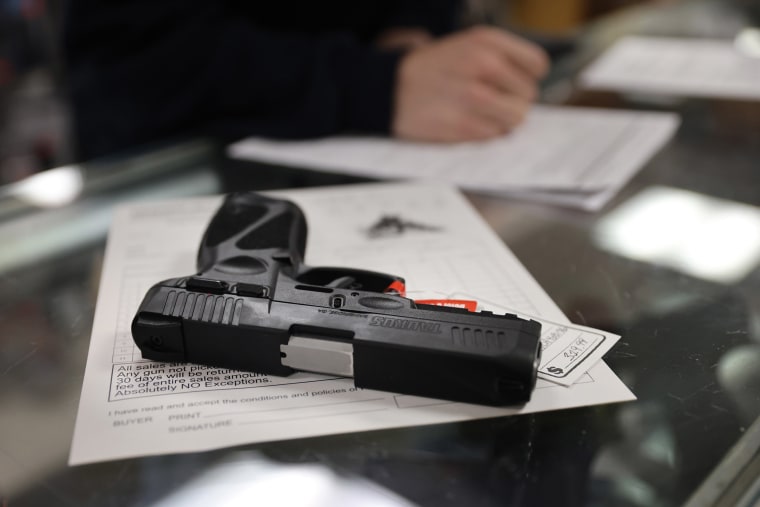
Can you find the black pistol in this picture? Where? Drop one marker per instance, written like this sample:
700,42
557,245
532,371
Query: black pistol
254,306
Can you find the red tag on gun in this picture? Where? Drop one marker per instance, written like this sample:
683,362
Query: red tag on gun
467,304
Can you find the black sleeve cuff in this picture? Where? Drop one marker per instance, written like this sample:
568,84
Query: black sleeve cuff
369,92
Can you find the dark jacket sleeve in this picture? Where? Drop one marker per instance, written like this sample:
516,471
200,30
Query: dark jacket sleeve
142,71
438,17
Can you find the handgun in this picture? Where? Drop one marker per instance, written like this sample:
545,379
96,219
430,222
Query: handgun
254,306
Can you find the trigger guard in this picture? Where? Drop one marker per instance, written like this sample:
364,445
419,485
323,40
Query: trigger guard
354,279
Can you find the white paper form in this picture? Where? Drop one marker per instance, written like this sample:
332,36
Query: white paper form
130,407
566,155
676,66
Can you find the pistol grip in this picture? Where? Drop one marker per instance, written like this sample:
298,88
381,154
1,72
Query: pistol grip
250,233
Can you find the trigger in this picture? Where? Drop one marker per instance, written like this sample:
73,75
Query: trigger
344,282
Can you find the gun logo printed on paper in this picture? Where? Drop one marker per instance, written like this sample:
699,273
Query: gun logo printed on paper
394,225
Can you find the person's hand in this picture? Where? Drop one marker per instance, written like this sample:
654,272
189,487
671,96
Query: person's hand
472,85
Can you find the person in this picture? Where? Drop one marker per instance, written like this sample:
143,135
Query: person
142,71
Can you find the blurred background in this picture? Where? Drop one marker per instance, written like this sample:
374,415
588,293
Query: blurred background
35,121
